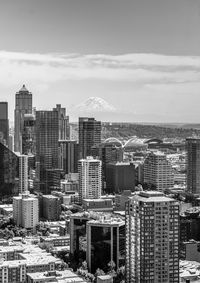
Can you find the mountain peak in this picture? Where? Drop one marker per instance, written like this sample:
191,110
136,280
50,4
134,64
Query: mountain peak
95,104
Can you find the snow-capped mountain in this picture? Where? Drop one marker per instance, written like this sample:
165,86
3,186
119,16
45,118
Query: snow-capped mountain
95,104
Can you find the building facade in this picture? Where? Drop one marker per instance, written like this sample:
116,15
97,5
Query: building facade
23,105
4,123
90,178
158,171
89,136
193,165
26,211
23,173
68,156
152,238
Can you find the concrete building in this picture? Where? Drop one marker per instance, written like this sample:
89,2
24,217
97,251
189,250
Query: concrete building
23,173
97,204
23,105
105,242
120,176
90,178
193,165
26,211
89,135
152,238
51,206
158,171
4,123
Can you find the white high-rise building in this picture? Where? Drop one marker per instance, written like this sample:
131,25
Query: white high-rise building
90,178
26,210
158,171
152,238
23,173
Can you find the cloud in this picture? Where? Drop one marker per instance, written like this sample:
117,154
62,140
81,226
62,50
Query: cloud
44,69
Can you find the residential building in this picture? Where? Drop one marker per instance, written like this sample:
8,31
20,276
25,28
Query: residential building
90,178
89,136
193,165
51,206
152,238
23,173
158,171
26,211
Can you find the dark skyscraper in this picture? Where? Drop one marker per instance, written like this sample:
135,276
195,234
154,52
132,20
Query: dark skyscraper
28,135
9,171
47,134
68,156
4,123
193,165
23,105
63,122
89,135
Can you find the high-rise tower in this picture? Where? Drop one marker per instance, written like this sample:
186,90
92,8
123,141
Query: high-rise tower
89,135
4,124
193,165
23,105
90,178
152,238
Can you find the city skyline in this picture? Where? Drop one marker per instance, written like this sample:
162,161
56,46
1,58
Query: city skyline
141,57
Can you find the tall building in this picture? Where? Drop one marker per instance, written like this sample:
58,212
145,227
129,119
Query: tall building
29,135
158,171
26,211
51,207
105,242
4,123
120,176
107,153
23,173
9,172
90,178
23,105
193,165
64,129
47,135
152,238
68,156
89,136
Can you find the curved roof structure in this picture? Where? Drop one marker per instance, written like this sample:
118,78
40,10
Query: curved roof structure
114,141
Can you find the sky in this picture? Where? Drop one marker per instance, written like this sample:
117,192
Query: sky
141,56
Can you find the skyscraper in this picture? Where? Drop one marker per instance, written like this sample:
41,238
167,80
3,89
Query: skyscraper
23,173
152,238
23,105
193,165
64,129
90,178
158,171
89,135
28,135
47,134
107,153
9,171
4,123
68,156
